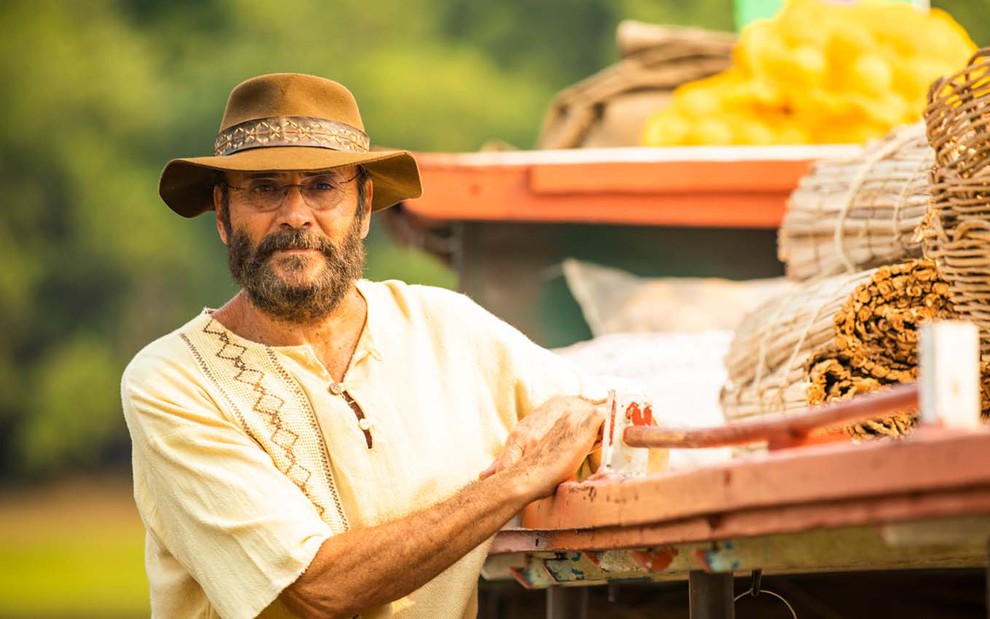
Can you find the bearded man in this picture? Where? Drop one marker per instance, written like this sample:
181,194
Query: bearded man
324,445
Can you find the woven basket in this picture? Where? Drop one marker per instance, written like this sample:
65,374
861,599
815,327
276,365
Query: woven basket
957,233
853,214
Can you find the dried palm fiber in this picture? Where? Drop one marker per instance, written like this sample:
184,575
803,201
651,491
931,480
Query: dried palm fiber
851,214
867,322
771,347
877,328
610,107
832,379
876,340
957,231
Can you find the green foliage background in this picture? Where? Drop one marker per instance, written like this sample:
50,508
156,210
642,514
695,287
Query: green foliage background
97,95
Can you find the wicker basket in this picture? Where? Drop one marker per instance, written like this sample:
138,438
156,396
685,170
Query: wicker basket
858,213
957,234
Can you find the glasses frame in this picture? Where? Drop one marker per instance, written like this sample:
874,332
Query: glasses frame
284,190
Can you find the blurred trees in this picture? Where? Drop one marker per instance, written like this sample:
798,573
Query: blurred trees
99,94
88,266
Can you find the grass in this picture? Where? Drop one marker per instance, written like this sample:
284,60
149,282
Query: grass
72,550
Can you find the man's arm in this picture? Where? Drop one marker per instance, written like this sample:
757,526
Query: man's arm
365,568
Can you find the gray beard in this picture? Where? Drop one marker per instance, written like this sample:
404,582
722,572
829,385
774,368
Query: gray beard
251,267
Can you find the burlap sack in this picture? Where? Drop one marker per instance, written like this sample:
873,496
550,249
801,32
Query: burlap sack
609,108
616,301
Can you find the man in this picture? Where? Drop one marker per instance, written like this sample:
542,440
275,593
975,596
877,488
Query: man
322,445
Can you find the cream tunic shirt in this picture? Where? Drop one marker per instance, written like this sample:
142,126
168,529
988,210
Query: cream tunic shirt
248,457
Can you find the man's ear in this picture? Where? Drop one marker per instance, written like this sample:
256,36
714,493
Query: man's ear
217,206
369,192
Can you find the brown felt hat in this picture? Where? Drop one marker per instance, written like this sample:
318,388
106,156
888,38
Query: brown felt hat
289,121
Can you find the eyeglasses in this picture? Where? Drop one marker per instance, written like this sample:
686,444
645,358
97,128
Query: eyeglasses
319,192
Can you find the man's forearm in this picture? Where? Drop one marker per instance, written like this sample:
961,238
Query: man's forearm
365,568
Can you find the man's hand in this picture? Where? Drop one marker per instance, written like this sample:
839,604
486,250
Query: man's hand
551,441
366,567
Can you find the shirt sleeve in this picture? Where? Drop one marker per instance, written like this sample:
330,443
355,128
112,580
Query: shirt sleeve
212,496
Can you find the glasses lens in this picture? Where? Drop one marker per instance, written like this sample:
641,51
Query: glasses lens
264,193
323,191
320,192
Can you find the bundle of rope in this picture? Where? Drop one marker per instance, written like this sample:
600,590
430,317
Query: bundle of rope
771,347
851,214
957,233
834,338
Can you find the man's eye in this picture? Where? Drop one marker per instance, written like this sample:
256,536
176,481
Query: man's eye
327,183
264,187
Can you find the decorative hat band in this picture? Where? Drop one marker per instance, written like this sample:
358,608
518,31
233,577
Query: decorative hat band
291,131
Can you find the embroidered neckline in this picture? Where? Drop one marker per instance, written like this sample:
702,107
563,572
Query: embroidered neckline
367,342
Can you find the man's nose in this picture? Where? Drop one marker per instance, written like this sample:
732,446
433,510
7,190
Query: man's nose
294,211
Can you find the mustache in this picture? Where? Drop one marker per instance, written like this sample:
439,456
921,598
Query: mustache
291,238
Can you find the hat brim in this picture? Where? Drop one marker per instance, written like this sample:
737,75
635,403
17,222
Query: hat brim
186,185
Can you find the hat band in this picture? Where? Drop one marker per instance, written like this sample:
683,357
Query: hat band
291,131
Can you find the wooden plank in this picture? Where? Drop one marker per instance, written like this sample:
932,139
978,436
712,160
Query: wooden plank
675,177
743,187
635,154
771,520
854,548
503,195
930,460
938,532
842,549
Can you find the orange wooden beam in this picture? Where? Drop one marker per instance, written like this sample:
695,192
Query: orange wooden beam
769,520
744,187
935,471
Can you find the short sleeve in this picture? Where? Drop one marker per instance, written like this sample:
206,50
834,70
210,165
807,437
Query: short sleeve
209,494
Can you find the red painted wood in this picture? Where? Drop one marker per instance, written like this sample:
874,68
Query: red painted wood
792,429
705,187
931,460
770,520
709,177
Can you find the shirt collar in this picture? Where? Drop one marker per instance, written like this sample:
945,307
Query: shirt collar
371,333
367,342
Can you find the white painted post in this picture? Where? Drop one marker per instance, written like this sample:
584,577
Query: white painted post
949,366
625,409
